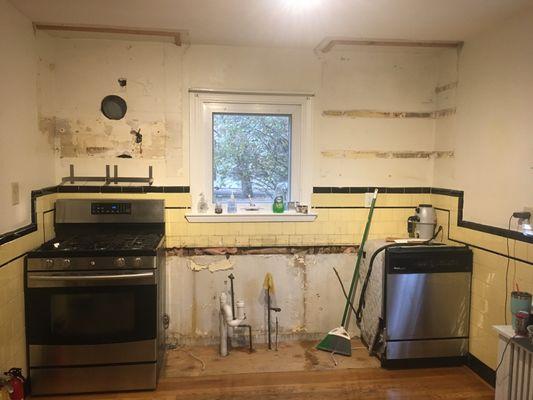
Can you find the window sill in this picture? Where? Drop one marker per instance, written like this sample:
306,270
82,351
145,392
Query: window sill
251,217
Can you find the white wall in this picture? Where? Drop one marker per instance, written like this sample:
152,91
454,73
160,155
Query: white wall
380,79
493,129
383,79
26,155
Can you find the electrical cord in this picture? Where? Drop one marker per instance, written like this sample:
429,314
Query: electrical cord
503,354
361,305
507,275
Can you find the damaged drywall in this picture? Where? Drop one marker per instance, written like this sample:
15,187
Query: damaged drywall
448,86
366,154
210,263
99,137
389,114
213,251
86,71
306,290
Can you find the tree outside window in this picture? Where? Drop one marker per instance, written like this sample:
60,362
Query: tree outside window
251,156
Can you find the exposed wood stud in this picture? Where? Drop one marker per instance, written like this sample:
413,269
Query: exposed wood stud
448,86
329,45
389,114
175,35
366,154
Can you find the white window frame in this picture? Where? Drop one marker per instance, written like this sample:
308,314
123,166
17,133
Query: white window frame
204,103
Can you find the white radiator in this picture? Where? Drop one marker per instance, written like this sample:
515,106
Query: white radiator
520,378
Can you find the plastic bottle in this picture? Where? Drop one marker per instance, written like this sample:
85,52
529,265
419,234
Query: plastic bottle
278,206
232,204
202,204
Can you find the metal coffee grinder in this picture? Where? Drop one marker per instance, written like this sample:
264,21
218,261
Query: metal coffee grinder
422,224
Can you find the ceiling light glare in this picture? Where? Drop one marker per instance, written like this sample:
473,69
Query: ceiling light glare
300,5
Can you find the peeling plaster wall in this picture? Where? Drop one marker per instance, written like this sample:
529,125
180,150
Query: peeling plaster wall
26,155
492,131
305,289
76,74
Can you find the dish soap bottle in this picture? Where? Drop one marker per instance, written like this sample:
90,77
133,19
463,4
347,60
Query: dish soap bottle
232,204
202,204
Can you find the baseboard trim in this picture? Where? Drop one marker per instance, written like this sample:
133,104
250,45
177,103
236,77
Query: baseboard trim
481,369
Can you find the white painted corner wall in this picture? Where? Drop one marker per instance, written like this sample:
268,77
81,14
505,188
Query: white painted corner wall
492,132
26,155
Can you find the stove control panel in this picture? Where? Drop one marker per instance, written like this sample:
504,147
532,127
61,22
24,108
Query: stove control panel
110,208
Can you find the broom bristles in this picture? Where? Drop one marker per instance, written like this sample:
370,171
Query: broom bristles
337,341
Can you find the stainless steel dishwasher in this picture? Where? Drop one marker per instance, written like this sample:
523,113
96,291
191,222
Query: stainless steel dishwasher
427,303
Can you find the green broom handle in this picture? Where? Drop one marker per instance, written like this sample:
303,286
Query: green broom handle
355,277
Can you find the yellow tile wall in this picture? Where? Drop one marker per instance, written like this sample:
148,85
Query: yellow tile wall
333,226
488,306
12,338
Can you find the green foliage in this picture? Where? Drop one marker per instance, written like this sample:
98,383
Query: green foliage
251,153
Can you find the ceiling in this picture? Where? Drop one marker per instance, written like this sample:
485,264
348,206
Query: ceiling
287,23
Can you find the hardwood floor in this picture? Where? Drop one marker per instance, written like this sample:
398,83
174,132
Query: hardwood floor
350,384
298,372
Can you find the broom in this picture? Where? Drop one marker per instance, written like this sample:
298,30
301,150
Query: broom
338,340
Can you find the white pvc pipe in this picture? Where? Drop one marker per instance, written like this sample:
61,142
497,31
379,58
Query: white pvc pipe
227,322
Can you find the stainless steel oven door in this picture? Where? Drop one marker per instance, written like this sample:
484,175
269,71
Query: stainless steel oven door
86,318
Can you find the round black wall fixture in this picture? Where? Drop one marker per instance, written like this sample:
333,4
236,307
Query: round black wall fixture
114,107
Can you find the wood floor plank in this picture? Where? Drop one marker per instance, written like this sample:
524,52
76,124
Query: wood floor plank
369,384
239,377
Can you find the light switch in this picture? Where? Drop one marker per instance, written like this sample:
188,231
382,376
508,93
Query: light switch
15,193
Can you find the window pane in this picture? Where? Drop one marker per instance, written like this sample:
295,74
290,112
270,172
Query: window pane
251,156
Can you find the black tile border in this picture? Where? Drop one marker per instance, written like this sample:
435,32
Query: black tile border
481,369
493,230
32,226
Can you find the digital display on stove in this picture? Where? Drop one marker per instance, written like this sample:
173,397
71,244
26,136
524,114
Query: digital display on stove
110,208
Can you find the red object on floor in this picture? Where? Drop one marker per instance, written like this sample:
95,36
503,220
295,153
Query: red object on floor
16,382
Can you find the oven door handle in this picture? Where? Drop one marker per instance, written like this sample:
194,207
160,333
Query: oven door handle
35,281
88,277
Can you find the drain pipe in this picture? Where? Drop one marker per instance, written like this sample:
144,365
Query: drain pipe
227,321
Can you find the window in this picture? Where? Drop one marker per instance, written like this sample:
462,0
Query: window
251,156
252,145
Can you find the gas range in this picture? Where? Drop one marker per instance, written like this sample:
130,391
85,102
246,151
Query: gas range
95,298
97,251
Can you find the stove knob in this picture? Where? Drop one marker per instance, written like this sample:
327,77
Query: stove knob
66,262
138,262
120,262
92,263
49,263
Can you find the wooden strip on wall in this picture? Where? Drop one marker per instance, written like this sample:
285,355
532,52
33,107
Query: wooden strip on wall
448,86
389,114
365,154
176,35
390,42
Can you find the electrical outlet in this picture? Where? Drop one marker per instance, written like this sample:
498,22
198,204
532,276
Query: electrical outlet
15,193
